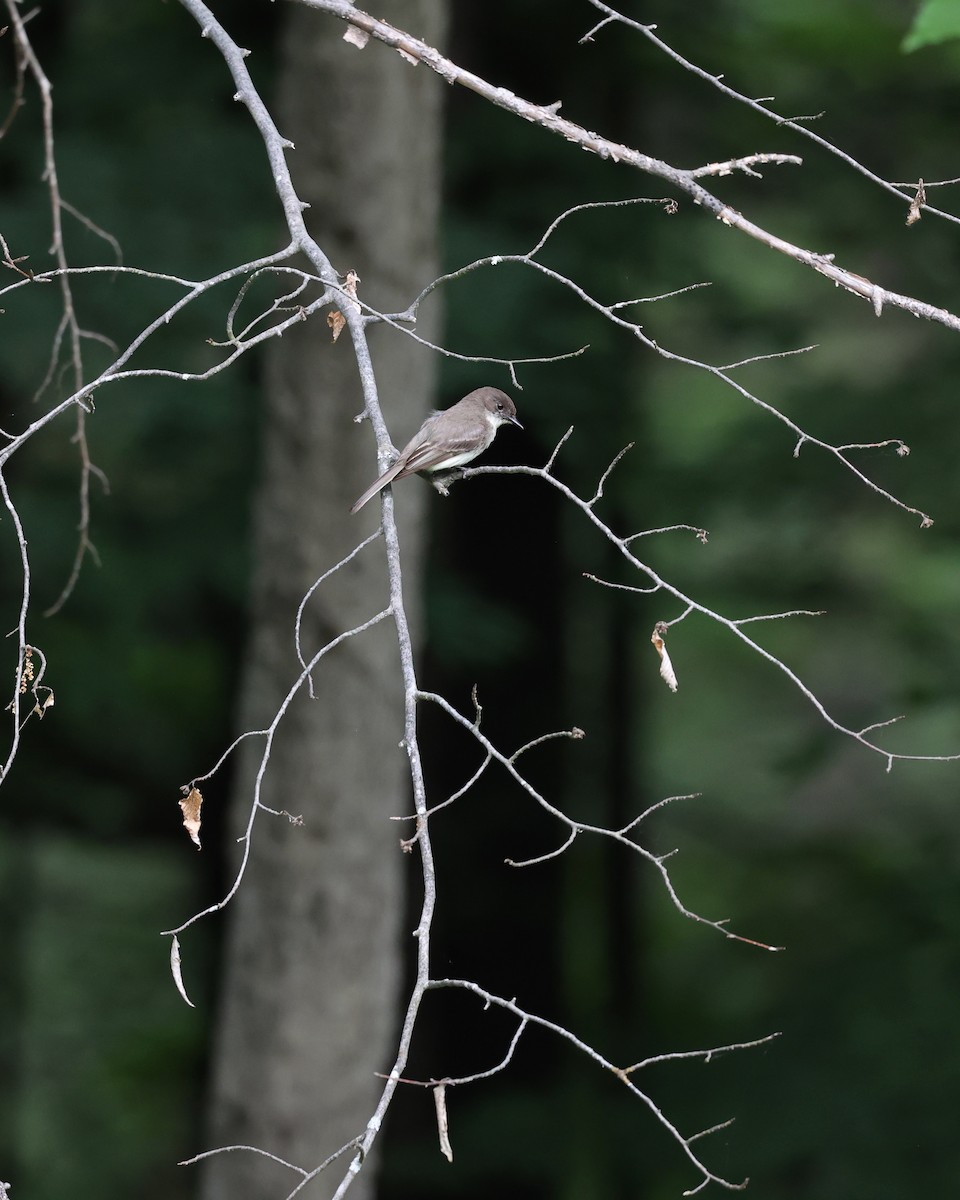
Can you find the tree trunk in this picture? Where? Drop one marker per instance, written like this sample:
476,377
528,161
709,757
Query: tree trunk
312,966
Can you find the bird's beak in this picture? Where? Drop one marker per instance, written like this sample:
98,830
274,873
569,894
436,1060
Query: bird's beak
514,421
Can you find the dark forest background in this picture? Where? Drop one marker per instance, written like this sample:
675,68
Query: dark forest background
801,838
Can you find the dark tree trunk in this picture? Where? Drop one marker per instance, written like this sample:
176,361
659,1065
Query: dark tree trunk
313,952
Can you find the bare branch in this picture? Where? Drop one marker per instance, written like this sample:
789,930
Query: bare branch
654,808
188,1162
449,1082
17,102
610,312
71,326
313,587
796,612
21,629
598,494
794,123
691,606
701,535
542,858
309,1176
95,229
560,1031
746,165
623,587
575,828
690,287
547,117
268,734
575,734
280,313
408,843
706,1055
744,362
276,146
556,450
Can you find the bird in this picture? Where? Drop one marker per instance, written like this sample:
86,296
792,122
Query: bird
449,439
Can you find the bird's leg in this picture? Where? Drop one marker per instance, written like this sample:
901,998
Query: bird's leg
443,480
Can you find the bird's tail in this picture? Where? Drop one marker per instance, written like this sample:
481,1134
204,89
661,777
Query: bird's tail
378,485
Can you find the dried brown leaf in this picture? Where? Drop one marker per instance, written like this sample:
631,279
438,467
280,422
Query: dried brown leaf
667,673
190,806
350,288
916,203
335,319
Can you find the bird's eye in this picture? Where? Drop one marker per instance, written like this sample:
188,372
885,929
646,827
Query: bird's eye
499,406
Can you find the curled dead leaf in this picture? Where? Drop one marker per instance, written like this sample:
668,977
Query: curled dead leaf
176,971
914,214
667,673
440,1100
335,319
190,806
350,288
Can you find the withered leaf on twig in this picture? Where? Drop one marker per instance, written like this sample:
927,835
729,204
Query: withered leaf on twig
176,971
440,1100
335,319
917,203
356,37
667,673
190,807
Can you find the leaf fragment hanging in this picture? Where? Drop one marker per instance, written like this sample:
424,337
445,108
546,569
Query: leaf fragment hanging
336,322
667,673
335,319
917,203
356,36
440,1100
176,971
190,807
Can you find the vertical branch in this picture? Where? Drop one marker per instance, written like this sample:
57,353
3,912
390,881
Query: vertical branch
58,250
276,147
21,630
412,747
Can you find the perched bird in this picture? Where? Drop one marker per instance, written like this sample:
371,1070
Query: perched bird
449,439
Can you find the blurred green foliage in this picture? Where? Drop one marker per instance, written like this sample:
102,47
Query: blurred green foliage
799,837
936,21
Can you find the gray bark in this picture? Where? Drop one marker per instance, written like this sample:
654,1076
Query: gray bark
313,952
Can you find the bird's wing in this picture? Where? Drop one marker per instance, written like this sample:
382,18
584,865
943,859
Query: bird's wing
425,453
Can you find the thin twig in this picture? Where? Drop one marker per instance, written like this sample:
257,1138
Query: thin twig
657,583
548,118
522,1014
797,124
